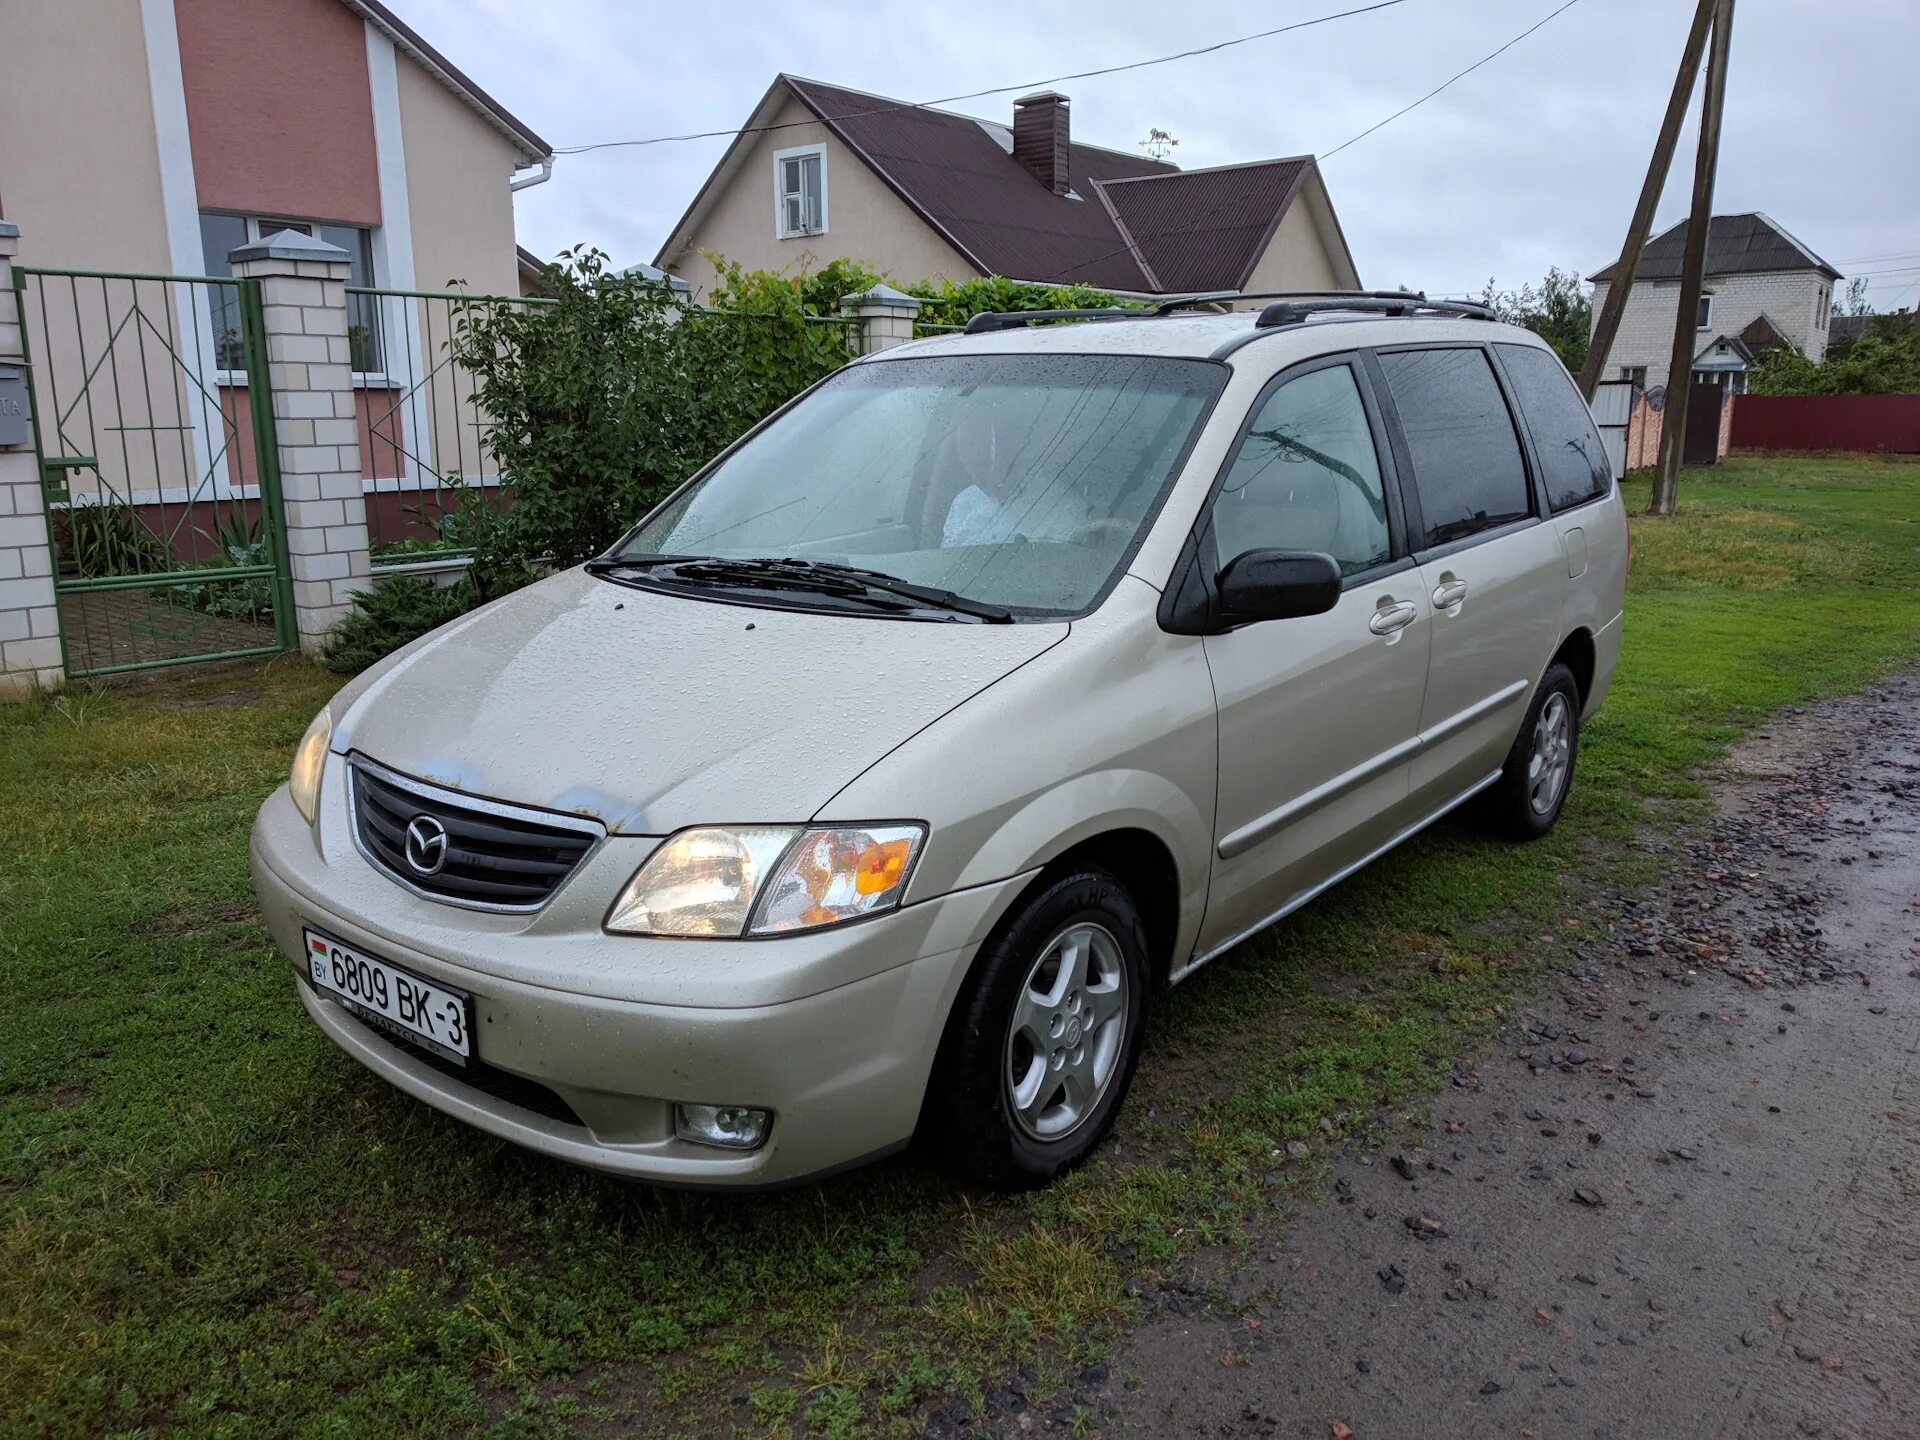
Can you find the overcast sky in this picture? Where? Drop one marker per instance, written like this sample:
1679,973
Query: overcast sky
1532,160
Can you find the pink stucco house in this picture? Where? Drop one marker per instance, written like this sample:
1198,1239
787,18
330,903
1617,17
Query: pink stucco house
157,135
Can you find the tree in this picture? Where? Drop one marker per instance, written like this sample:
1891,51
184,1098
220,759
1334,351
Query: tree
1557,310
1856,302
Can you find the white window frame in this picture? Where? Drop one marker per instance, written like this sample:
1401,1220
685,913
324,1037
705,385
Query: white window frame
1700,321
257,230
780,157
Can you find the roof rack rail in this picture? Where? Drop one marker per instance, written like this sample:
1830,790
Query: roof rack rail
1295,311
1289,307
988,320
1223,297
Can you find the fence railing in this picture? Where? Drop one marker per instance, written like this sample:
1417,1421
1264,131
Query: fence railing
424,435
157,474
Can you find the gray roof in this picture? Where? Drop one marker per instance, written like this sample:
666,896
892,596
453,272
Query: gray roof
1736,245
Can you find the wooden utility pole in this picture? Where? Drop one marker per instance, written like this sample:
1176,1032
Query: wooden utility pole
1650,191
1686,334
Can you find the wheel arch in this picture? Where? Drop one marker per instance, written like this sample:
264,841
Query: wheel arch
1578,654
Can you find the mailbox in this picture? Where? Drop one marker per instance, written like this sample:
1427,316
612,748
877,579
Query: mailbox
16,426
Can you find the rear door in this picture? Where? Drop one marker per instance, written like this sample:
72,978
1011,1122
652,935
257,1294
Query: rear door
1490,569
1318,713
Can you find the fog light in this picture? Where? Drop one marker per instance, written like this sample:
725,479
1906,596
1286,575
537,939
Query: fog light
731,1127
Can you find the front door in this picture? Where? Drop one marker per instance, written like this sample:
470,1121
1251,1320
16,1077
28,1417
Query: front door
1317,714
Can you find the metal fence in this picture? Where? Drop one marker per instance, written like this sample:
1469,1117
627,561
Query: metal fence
155,437
424,435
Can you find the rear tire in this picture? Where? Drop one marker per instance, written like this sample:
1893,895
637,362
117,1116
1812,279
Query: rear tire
1043,1038
1535,781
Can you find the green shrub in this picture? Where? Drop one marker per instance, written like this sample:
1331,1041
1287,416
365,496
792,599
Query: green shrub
390,613
603,401
1883,361
106,539
946,303
238,539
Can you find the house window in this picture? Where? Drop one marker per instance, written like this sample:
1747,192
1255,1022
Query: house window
800,191
1703,317
221,234
1636,375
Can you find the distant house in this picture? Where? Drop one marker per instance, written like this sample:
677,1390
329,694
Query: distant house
531,267
1844,329
821,171
1763,289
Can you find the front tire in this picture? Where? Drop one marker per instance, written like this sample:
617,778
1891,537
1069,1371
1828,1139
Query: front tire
1534,782
1044,1036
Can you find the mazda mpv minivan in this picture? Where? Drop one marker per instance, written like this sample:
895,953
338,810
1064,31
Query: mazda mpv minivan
879,779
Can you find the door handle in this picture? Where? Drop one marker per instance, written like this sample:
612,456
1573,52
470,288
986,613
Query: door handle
1446,596
1389,618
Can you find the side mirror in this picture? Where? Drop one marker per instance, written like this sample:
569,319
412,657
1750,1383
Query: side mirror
1278,585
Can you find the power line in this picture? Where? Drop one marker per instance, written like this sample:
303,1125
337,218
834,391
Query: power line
1873,259
1438,88
1235,200
981,94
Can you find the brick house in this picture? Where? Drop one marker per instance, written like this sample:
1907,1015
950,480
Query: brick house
820,172
1763,288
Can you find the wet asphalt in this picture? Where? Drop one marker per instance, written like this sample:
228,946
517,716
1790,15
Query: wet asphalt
1678,1196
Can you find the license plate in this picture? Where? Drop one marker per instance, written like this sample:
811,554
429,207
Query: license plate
426,1012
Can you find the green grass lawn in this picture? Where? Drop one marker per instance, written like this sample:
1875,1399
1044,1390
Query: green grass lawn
212,1222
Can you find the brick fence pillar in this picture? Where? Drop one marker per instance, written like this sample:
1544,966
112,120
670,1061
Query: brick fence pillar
886,317
303,297
29,614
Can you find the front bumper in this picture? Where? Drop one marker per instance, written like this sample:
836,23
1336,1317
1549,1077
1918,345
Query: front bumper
835,1033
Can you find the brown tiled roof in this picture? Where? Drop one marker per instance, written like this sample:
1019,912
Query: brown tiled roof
1205,229
1736,245
1128,222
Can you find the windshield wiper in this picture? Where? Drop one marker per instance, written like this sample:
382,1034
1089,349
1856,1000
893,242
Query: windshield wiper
848,582
925,594
774,575
613,564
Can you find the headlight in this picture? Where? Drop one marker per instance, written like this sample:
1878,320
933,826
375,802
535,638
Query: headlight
308,763
767,880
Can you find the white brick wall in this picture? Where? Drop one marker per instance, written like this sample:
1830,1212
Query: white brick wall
29,621
1792,299
304,309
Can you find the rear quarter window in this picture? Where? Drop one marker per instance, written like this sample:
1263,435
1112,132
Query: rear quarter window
1573,461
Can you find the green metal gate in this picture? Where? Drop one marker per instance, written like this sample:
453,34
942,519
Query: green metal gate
154,426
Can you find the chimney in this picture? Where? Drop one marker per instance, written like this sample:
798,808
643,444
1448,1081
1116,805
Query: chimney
1041,129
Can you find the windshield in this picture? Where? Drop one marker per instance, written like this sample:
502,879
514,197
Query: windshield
1017,481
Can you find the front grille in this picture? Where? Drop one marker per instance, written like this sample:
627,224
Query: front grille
493,856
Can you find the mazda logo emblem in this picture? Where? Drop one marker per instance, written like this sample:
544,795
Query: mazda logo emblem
426,845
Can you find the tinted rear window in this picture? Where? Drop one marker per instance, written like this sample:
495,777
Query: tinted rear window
1466,458
1573,462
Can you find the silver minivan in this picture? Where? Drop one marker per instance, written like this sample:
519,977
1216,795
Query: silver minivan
874,784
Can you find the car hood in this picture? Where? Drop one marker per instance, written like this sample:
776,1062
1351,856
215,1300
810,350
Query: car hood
651,712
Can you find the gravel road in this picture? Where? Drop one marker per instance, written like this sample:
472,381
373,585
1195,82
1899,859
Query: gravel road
1678,1196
